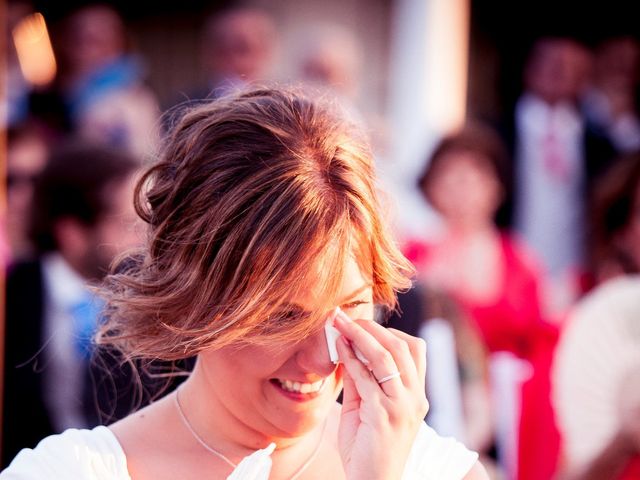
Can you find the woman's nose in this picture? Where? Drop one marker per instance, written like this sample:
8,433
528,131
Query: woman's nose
313,354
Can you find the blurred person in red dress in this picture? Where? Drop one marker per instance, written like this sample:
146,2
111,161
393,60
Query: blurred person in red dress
492,275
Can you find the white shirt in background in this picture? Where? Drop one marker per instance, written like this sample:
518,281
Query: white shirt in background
550,207
63,372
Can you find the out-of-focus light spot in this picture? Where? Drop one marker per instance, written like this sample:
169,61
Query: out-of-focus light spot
447,60
33,46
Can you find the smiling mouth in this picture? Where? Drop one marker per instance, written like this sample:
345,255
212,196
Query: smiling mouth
299,387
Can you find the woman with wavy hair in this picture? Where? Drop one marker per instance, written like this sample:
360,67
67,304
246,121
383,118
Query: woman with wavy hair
265,238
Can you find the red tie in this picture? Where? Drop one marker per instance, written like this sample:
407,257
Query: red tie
554,161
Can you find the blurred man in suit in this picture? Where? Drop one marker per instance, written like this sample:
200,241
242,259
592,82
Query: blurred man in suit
82,217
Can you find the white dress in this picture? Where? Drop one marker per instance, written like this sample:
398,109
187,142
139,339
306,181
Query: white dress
97,455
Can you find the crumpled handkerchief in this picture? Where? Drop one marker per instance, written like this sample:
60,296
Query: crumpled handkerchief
256,466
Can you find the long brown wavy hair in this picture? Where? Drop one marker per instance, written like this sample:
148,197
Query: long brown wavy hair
255,197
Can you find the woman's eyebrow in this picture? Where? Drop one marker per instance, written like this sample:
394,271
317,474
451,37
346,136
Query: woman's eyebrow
348,298
352,296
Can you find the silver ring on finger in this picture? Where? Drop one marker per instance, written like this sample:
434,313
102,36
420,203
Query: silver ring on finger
391,376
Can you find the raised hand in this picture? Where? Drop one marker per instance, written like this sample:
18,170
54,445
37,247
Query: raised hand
384,401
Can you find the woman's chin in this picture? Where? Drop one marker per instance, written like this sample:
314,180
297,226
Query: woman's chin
298,422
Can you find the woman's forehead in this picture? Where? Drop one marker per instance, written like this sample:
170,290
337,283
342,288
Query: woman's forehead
354,283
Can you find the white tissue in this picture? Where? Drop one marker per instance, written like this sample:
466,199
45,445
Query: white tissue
256,466
332,337
332,334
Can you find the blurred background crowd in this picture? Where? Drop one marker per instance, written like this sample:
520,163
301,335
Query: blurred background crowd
507,140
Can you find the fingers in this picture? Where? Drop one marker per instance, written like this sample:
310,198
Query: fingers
418,349
404,348
380,360
365,385
374,414
388,351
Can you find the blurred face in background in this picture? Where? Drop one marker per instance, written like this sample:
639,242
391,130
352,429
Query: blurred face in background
26,157
558,70
117,230
617,64
93,37
332,57
239,45
464,189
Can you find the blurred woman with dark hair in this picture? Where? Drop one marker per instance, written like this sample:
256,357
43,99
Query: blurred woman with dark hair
616,221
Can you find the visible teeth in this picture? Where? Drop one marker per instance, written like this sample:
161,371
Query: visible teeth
298,387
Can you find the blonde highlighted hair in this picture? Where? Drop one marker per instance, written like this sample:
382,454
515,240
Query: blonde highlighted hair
255,197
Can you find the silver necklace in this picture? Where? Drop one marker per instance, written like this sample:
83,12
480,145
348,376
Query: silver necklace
210,449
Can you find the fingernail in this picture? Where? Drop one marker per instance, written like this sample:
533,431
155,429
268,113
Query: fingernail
342,317
333,315
331,335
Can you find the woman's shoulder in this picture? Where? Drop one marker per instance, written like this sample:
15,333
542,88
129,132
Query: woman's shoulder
617,299
434,457
74,454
